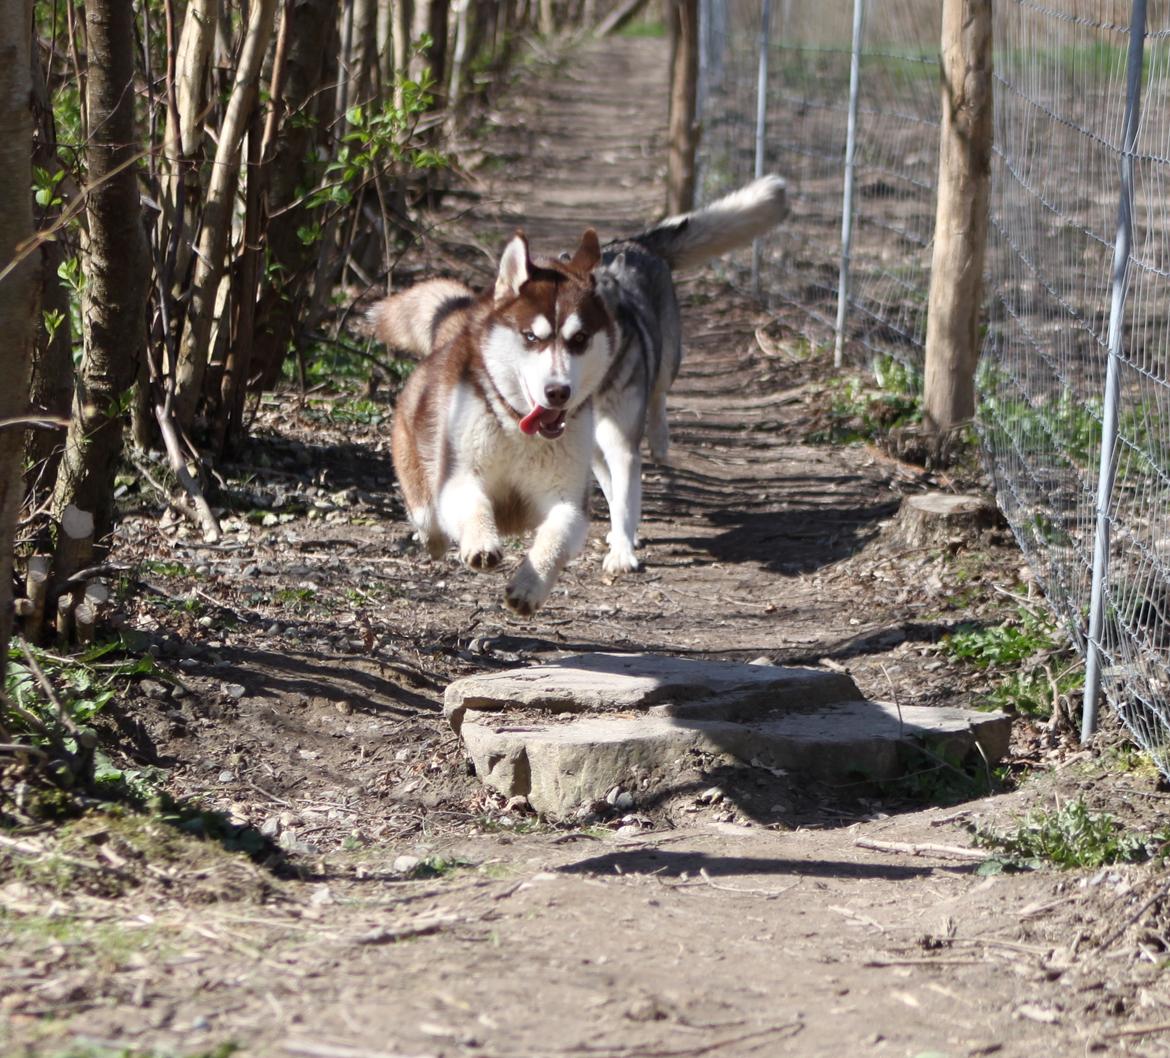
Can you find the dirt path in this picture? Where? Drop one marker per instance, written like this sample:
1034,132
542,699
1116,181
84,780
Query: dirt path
421,916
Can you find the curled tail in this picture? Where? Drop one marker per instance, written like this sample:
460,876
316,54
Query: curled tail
726,224
409,321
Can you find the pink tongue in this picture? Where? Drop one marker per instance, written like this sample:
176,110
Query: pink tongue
530,424
538,417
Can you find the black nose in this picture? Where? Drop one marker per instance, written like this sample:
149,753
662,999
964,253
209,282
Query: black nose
557,396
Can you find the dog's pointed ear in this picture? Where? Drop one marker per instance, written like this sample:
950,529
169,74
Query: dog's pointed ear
514,267
588,253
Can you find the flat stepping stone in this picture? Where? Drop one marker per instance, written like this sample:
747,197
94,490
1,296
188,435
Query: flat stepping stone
660,685
565,734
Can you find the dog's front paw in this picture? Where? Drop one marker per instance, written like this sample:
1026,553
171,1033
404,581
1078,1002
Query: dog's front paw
526,592
622,542
620,559
480,559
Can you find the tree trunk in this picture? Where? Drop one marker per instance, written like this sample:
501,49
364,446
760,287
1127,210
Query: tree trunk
684,131
238,360
18,286
960,230
51,386
402,19
459,53
430,16
182,140
115,265
213,236
363,52
285,289
384,37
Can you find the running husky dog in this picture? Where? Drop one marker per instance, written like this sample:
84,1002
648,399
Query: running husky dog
565,362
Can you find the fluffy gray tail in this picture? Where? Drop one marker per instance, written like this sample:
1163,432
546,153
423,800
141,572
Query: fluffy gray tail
726,224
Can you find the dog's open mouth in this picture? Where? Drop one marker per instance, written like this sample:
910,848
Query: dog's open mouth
548,422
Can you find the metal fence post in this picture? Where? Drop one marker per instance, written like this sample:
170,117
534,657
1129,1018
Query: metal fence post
761,122
1108,466
847,204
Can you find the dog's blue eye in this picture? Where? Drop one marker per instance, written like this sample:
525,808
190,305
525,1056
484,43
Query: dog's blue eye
528,336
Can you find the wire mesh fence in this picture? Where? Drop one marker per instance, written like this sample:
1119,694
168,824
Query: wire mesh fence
807,114
1076,359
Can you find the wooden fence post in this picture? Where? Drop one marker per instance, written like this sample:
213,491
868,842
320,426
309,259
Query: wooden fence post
684,129
960,229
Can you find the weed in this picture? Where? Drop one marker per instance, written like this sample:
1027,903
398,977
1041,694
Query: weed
1067,837
298,599
111,941
162,568
643,27
1131,759
223,1050
349,412
862,409
190,604
938,772
52,699
1038,663
438,867
1007,643
497,825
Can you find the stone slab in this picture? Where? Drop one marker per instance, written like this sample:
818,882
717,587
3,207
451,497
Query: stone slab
559,767
648,683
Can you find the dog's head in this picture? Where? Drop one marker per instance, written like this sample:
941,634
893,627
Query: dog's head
551,337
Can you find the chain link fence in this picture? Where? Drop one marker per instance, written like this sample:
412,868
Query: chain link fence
1076,358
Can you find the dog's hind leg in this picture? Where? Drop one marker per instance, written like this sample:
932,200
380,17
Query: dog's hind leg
559,538
670,357
622,472
465,515
432,538
657,430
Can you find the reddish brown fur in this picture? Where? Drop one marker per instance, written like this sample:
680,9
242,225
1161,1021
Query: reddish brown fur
421,411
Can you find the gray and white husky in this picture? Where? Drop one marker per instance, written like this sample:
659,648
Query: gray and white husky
564,365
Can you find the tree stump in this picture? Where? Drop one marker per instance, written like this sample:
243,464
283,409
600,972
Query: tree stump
939,519
75,543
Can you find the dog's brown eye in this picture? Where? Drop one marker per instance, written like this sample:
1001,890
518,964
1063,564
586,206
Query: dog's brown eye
579,340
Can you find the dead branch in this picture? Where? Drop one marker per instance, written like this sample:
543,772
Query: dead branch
204,515
924,849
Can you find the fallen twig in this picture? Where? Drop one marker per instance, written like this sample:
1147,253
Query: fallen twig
1138,1030
1132,918
601,1050
882,963
316,1049
418,928
924,849
770,893
858,917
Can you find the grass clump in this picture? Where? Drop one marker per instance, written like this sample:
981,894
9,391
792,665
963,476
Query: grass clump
1035,665
1068,836
865,408
223,1050
47,713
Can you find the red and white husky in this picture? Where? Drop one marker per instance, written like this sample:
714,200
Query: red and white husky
564,365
